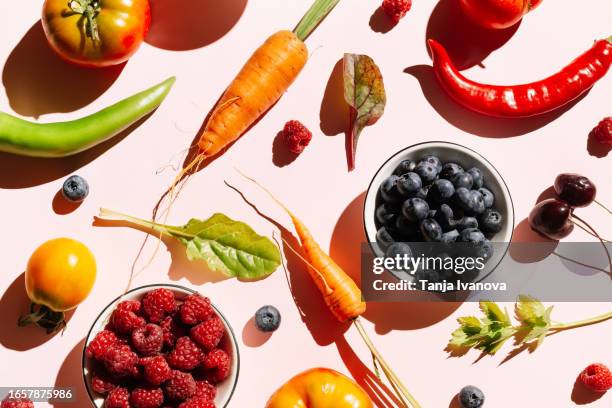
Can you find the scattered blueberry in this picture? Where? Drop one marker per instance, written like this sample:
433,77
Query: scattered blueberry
487,195
386,214
415,209
441,190
267,318
435,161
472,236
384,237
405,166
426,171
450,170
450,236
471,397
463,180
491,221
388,190
467,222
75,189
431,230
477,177
409,184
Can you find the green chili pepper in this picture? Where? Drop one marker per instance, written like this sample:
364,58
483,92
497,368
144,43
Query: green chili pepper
62,139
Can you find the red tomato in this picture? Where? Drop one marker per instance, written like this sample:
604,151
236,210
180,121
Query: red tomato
497,14
96,33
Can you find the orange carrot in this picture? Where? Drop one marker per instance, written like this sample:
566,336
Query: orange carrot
340,292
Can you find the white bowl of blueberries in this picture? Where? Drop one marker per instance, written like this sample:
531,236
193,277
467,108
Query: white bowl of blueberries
442,195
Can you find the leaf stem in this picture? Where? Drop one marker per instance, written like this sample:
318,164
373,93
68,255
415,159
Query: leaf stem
393,379
581,323
313,17
110,215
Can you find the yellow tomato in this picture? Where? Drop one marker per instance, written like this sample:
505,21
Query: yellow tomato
320,388
60,274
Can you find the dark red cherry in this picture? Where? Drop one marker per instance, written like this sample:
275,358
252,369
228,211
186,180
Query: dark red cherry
574,189
551,218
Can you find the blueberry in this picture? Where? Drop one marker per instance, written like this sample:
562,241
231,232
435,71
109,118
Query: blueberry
386,214
409,184
467,222
477,176
426,171
477,204
463,180
267,319
415,209
485,250
398,248
472,236
441,190
422,194
384,237
431,230
75,189
450,236
491,221
444,216
432,214
407,230
405,166
471,397
388,190
435,161
450,170
462,198
487,195
429,275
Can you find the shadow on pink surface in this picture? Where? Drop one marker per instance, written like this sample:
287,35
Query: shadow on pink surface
22,172
70,375
179,27
61,206
530,254
334,113
380,22
347,238
38,82
281,155
476,123
13,304
467,43
454,403
252,336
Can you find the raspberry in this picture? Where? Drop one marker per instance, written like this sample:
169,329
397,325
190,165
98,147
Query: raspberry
396,9
195,309
297,136
172,331
158,303
597,377
102,383
208,334
603,131
180,387
117,398
16,403
147,397
148,340
197,403
186,355
98,346
220,363
125,319
156,369
205,390
120,361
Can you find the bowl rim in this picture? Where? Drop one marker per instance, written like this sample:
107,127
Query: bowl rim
451,145
157,285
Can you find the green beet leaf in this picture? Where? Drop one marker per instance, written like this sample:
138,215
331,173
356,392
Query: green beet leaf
364,91
226,245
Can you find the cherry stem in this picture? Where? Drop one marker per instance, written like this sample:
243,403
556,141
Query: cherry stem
602,206
576,223
600,240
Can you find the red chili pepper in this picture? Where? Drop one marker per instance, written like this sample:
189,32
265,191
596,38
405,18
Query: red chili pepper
528,99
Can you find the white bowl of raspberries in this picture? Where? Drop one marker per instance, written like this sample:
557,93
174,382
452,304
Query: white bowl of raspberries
444,196
161,346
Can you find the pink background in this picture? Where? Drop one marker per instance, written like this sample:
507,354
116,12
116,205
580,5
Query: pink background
123,176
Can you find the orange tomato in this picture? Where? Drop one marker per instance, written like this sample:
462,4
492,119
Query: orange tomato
320,388
60,274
